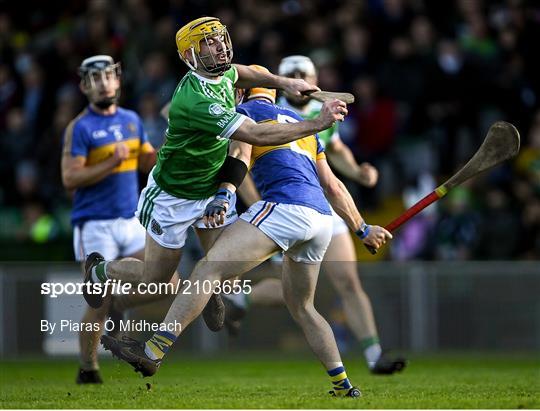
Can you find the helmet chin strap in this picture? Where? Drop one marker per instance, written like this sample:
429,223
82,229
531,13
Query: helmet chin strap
105,103
195,66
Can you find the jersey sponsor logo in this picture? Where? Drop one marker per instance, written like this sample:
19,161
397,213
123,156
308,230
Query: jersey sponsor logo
155,227
225,120
99,134
216,109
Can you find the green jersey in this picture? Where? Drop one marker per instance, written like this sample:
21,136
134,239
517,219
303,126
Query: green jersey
202,118
312,110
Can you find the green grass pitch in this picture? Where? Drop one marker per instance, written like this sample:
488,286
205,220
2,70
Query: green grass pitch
271,381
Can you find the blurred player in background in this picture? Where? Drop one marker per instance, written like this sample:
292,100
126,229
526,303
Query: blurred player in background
201,120
340,260
103,148
293,216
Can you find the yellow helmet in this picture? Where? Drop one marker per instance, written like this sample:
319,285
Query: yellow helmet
256,92
188,40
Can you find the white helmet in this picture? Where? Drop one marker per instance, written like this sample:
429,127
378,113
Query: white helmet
291,64
99,68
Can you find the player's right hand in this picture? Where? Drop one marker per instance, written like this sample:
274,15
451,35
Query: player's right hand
214,213
332,111
367,175
377,237
298,87
121,152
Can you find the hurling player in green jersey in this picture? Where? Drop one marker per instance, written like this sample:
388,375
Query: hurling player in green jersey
193,159
295,216
340,259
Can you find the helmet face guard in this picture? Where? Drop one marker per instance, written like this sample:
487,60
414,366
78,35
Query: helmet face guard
210,61
100,70
205,30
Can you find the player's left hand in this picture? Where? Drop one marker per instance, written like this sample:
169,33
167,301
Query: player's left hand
377,236
214,213
297,87
368,175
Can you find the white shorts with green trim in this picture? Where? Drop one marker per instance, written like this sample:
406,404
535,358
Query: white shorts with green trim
301,232
167,218
115,238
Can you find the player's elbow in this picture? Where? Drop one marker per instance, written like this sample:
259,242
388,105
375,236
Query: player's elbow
252,133
332,188
68,182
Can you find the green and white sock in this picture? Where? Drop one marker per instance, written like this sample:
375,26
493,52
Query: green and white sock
372,350
99,272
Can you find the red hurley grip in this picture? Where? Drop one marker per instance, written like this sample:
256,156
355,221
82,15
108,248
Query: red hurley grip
415,209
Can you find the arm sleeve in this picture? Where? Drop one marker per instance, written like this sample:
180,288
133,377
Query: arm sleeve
212,117
232,73
76,141
242,110
320,150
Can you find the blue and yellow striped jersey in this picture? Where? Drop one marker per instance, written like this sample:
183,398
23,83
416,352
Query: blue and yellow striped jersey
93,136
287,173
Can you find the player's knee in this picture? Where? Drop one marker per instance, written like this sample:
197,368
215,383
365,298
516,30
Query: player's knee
301,310
206,270
347,283
157,272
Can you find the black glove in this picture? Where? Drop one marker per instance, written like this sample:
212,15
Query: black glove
214,213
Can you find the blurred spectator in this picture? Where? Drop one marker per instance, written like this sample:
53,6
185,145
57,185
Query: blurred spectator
156,78
8,92
356,42
498,237
153,122
37,225
402,76
245,43
376,119
16,145
457,232
49,153
413,241
34,91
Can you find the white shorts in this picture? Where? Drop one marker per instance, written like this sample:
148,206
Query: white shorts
301,232
167,218
120,237
340,226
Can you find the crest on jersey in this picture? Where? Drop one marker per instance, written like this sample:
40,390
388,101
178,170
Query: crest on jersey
116,129
216,109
